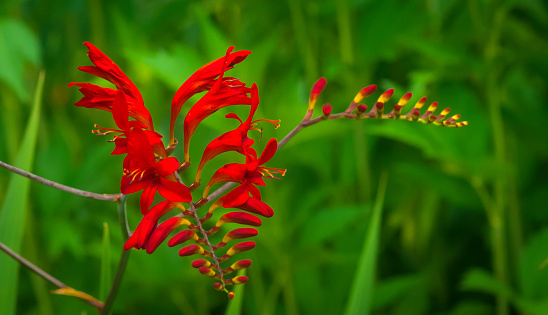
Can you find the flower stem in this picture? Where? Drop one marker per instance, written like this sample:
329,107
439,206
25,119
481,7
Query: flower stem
47,182
63,287
122,219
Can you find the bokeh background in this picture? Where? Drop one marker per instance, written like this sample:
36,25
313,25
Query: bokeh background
464,228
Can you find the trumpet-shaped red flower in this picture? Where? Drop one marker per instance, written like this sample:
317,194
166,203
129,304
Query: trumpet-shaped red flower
249,174
237,139
222,94
103,98
203,80
143,172
149,224
120,113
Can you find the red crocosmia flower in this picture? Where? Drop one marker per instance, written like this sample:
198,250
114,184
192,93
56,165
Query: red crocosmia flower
219,96
148,224
120,113
237,139
142,172
239,198
102,98
234,140
203,80
248,174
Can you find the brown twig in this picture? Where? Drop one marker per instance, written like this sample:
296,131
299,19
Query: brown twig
63,288
47,182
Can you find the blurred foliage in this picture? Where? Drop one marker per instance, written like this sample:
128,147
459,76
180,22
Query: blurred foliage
458,201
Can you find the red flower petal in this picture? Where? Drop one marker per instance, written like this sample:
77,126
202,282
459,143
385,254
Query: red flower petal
239,217
202,80
269,151
174,191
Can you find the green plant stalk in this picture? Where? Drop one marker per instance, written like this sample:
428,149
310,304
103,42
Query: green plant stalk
499,216
363,285
343,24
104,280
235,305
30,250
11,113
12,215
303,40
122,219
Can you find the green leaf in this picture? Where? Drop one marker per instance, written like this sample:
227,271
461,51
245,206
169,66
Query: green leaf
364,281
12,217
216,43
235,305
331,221
18,45
105,277
481,280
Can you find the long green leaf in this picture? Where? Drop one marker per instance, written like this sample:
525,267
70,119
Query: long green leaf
12,216
235,305
364,281
105,277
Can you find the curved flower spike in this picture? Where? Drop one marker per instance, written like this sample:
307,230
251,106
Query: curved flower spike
102,98
377,111
202,80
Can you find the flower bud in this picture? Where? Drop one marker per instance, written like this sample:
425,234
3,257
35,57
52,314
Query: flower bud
365,92
317,88
326,108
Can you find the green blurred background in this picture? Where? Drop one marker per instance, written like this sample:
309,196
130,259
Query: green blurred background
465,217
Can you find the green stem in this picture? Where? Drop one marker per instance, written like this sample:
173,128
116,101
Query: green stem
498,222
122,219
303,40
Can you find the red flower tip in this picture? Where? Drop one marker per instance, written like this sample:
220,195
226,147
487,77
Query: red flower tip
201,263
386,96
379,108
405,99
218,286
237,280
432,107
191,250
361,109
240,218
239,233
420,103
326,108
317,88
208,272
231,295
182,237
365,92
241,264
240,247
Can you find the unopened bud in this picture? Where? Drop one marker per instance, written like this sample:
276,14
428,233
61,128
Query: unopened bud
326,108
386,96
361,109
365,92
317,88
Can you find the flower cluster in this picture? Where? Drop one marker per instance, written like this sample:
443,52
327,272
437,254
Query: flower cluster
148,167
359,111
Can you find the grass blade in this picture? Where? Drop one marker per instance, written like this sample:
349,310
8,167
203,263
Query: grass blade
362,288
106,275
235,305
12,216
